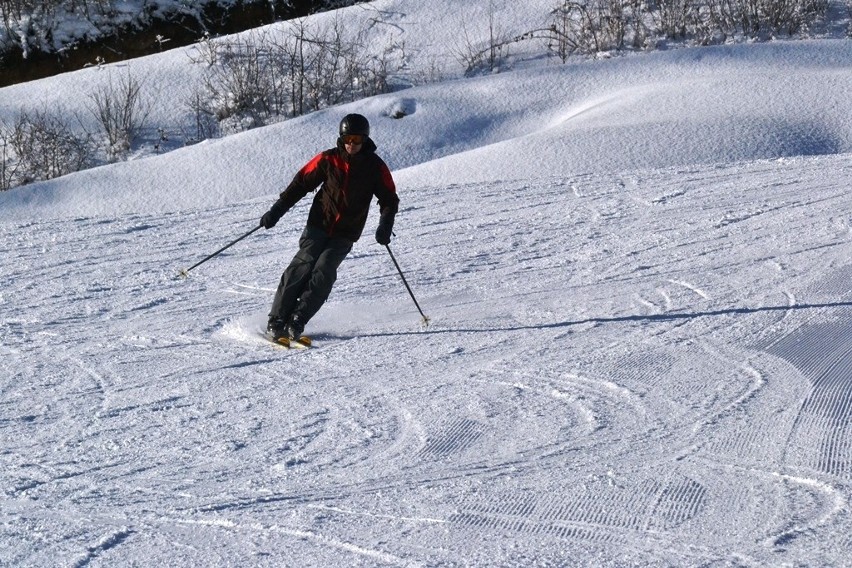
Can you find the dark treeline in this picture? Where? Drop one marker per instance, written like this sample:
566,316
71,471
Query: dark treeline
29,51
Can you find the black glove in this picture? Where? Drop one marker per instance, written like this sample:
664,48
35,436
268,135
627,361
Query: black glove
269,220
385,229
271,217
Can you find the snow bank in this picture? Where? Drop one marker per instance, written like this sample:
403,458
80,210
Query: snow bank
701,106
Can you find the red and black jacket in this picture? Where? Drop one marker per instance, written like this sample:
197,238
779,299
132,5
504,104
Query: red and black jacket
348,184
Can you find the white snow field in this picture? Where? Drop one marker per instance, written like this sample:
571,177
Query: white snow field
639,278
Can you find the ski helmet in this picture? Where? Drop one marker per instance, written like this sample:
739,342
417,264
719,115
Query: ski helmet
354,124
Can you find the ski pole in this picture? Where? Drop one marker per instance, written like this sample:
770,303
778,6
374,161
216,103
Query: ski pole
407,287
185,271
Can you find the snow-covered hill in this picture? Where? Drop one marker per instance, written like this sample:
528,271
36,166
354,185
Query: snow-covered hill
638,278
712,105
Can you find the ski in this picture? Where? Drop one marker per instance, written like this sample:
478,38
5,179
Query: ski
303,342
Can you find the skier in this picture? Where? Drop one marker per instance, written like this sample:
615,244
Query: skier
348,176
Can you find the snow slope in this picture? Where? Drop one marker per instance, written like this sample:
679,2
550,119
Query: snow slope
663,109
638,278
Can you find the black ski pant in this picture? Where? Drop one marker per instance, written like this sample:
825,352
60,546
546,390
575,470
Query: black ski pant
306,283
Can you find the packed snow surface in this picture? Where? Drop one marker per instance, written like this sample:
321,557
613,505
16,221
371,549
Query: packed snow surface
638,278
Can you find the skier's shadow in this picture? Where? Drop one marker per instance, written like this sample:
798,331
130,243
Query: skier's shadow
670,316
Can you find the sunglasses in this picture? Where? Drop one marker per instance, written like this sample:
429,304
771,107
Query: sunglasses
353,139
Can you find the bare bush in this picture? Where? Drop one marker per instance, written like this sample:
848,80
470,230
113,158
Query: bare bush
238,91
8,161
559,38
206,125
253,79
591,26
762,19
40,146
336,69
674,19
204,51
325,66
120,110
488,56
240,84
588,27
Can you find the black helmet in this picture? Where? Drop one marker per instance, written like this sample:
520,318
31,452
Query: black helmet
354,124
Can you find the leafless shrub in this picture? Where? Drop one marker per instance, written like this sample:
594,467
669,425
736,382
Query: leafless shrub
8,161
593,26
560,37
674,19
325,66
40,146
761,19
488,56
256,78
587,27
240,84
238,91
206,125
120,110
204,51
337,68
